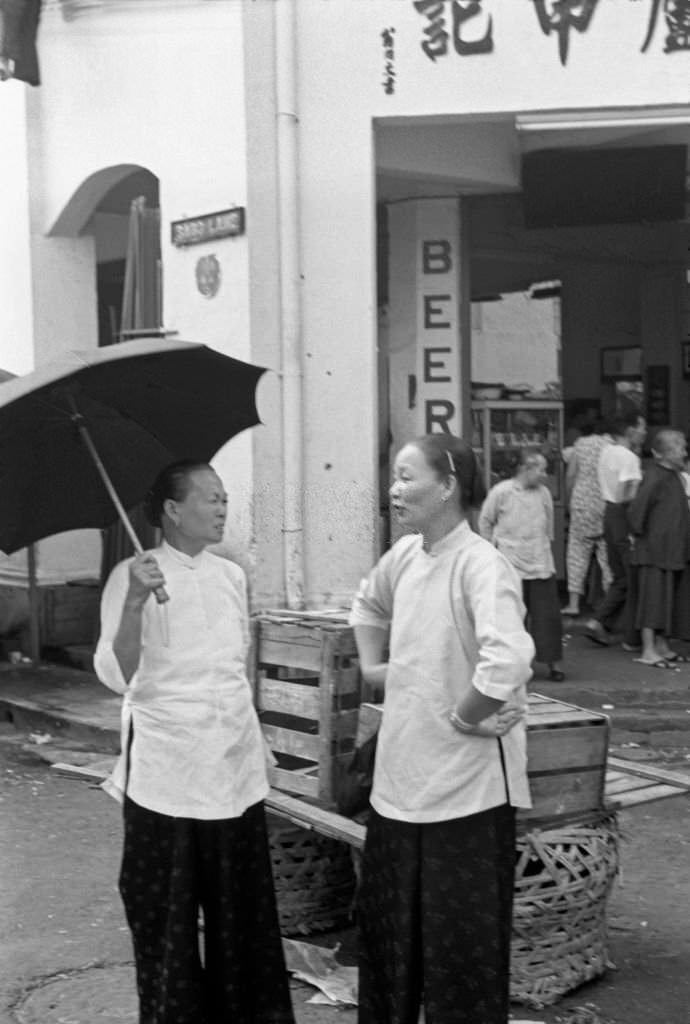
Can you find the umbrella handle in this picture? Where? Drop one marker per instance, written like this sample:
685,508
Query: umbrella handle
160,593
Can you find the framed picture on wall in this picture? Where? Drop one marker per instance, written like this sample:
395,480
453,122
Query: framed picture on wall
621,363
658,395
685,359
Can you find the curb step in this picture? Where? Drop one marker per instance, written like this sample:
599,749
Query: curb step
28,717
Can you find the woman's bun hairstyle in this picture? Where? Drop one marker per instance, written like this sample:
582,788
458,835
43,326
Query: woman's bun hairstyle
448,454
171,482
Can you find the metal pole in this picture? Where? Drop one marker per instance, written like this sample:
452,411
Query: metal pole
291,301
34,607
161,593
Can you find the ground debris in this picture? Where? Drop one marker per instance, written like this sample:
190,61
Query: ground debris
587,1014
40,737
319,967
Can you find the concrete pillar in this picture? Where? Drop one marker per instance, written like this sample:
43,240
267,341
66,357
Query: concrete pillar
16,312
429,342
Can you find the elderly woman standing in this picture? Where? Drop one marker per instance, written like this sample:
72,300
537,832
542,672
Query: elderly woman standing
660,523
437,875
517,517
193,773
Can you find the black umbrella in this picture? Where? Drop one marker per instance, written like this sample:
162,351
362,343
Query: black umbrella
81,439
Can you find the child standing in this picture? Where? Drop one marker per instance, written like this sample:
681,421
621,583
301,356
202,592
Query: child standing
517,517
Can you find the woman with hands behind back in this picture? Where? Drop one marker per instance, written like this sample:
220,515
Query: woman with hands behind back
436,895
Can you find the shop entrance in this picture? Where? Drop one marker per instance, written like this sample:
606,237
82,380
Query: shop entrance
616,283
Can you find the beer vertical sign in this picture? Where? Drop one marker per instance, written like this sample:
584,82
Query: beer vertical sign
438,333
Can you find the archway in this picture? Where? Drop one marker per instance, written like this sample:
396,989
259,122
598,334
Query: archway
98,215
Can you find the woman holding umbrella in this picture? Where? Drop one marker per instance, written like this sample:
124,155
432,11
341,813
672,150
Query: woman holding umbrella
193,771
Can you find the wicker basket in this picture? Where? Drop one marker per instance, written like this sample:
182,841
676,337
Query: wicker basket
563,879
314,879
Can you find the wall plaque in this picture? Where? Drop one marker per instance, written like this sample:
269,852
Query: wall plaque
208,276
208,227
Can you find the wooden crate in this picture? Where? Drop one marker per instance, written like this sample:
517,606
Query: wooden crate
69,613
307,693
567,748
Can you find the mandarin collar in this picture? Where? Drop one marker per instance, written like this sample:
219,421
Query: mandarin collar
449,542
188,561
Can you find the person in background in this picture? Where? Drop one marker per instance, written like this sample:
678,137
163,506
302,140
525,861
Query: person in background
193,772
517,517
660,523
572,433
619,474
586,508
435,902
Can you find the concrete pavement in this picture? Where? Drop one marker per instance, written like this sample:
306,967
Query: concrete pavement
650,714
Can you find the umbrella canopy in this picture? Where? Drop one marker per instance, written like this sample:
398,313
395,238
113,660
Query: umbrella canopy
144,404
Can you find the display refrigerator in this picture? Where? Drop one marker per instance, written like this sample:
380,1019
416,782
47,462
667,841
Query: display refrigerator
502,428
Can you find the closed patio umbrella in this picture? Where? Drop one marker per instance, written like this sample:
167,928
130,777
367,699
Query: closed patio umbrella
141,317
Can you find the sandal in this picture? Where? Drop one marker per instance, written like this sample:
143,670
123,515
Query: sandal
596,632
660,663
677,659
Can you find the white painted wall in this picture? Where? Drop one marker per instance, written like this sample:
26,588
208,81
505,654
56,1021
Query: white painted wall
16,314
339,304
264,289
144,85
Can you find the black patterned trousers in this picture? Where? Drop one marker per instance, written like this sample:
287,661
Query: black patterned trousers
172,868
434,914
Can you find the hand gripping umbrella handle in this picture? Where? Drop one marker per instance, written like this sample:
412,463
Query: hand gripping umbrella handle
161,593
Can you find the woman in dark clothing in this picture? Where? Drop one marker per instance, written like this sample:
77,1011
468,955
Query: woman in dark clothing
660,522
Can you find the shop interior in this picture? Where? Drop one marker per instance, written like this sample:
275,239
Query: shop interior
578,279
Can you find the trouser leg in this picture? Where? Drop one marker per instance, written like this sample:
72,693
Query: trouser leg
618,554
544,619
467,881
158,889
390,955
602,559
578,557
245,977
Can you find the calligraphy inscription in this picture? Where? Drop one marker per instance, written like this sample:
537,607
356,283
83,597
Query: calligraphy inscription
388,40
468,26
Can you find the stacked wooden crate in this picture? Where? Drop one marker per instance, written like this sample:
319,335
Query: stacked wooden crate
567,748
69,613
307,692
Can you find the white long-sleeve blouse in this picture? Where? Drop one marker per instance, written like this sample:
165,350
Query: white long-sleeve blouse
197,749
455,616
